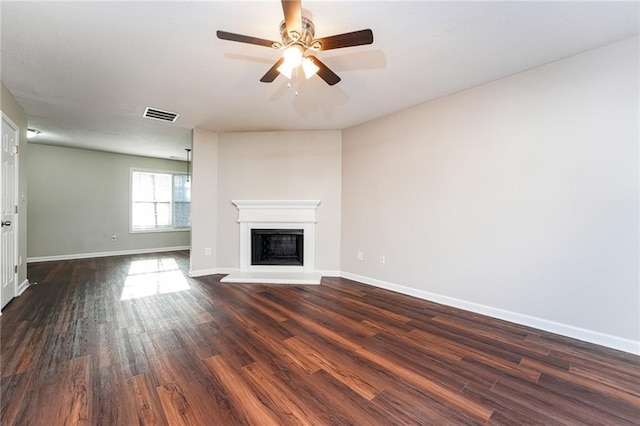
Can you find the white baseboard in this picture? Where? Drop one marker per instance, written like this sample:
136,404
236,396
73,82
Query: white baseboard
330,273
213,271
22,287
585,335
104,254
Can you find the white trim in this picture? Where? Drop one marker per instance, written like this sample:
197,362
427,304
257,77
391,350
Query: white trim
590,336
266,211
152,230
226,270
105,254
329,273
22,287
212,271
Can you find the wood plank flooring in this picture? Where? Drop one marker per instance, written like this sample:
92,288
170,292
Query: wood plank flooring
132,340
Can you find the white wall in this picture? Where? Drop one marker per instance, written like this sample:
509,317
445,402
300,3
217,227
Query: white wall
280,166
80,198
518,198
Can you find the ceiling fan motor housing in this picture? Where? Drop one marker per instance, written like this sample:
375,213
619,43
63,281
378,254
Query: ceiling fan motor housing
305,39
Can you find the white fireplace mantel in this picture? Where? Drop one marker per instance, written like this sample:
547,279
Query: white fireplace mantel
268,211
280,214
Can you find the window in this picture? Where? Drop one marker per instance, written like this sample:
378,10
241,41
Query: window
160,201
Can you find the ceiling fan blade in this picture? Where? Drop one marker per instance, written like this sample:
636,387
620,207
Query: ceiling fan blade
325,72
292,15
273,72
223,35
355,38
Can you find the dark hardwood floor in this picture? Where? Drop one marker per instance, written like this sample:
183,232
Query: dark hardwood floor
132,340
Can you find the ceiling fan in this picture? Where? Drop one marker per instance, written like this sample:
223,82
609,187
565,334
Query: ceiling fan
299,45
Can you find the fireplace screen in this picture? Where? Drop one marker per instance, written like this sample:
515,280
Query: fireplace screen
277,247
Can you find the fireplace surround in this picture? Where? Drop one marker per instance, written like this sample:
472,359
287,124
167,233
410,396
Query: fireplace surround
291,217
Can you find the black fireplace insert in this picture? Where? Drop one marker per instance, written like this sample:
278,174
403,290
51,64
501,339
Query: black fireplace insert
277,247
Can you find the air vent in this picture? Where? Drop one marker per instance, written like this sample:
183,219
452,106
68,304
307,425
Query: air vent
158,114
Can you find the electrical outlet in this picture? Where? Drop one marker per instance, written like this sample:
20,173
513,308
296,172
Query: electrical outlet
360,256
382,259
207,251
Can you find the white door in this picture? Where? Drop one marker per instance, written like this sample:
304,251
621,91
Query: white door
8,269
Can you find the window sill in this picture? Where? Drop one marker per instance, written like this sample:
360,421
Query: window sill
153,231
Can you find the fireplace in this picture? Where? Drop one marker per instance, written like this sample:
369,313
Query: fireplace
277,242
277,247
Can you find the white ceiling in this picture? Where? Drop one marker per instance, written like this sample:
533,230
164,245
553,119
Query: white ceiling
85,71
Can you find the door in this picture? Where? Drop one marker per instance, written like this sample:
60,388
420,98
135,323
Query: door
8,268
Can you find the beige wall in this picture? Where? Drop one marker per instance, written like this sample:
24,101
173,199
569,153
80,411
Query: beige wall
280,166
519,197
80,198
14,111
204,205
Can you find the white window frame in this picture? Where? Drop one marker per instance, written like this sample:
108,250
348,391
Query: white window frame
152,230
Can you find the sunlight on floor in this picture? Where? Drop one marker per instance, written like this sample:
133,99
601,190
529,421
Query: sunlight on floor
153,276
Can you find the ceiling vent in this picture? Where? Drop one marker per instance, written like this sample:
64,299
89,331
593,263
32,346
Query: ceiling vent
158,114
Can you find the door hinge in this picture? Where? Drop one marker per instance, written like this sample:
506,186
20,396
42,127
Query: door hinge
16,209
15,269
15,149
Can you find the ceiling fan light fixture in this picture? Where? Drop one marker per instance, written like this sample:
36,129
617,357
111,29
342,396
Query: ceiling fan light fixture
292,59
286,70
293,55
297,34
310,69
